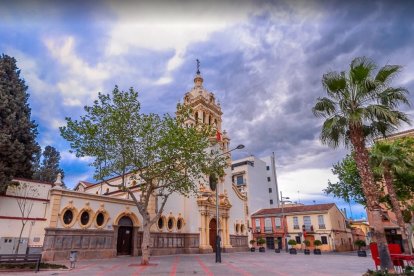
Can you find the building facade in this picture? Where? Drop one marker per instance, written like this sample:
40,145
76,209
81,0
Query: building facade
100,221
324,222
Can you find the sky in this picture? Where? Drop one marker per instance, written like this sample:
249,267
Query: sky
264,61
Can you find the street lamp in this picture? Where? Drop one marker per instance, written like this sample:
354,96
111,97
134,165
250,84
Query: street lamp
218,238
284,199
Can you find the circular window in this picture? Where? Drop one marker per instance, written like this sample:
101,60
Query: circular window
68,217
161,222
84,219
170,223
179,224
212,182
100,218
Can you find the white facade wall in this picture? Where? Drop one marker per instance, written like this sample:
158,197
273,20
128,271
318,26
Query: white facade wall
10,214
256,183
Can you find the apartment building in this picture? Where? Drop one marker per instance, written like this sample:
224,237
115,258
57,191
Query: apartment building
324,222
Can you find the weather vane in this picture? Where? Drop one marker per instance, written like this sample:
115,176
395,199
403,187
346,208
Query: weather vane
198,66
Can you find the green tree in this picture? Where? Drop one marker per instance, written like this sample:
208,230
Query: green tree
18,146
349,186
388,159
49,167
360,106
158,152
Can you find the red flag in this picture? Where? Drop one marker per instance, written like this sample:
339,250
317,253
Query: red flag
218,136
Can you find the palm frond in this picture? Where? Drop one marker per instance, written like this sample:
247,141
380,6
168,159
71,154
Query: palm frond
324,107
361,69
334,83
392,97
386,73
334,131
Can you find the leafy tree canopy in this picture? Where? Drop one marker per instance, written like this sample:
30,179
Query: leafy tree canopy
349,186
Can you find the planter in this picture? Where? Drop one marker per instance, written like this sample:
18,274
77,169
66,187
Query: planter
293,251
277,250
262,249
317,252
252,249
362,253
307,251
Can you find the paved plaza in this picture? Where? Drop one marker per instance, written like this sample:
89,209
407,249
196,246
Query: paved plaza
248,263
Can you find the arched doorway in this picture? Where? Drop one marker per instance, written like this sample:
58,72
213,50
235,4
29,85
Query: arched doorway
124,243
213,232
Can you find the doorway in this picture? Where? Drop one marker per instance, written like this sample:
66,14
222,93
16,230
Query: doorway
212,234
124,242
270,243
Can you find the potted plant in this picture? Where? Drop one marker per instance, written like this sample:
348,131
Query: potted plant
317,251
252,242
292,250
359,244
306,243
260,241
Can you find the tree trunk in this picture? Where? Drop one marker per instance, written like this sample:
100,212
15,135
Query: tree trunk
371,195
145,246
396,207
20,237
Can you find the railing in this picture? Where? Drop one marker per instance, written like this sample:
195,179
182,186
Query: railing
295,226
322,226
268,229
307,228
257,230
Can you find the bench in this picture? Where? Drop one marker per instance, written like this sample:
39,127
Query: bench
21,259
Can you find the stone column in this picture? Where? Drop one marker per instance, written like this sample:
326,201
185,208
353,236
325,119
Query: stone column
227,243
202,231
55,199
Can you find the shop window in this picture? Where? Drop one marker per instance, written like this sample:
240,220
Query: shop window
68,217
84,219
100,218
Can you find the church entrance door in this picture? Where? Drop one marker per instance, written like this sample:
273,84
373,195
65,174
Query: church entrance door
124,243
213,233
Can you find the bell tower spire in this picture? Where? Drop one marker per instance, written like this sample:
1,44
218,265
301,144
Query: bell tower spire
198,79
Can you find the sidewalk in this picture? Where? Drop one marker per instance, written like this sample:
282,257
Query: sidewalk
247,263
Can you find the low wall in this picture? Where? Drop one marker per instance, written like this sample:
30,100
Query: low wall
238,243
100,244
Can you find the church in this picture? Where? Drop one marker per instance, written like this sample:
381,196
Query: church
101,221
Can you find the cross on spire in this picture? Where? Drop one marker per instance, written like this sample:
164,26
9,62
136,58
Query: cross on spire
198,66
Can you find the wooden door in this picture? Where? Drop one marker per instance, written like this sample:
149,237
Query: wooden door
213,233
124,240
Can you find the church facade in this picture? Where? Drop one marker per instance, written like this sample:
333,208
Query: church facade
100,221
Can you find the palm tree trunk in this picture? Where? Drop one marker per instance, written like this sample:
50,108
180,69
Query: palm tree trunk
145,246
388,178
371,195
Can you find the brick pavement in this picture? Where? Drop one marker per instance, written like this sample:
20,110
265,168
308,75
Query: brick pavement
246,264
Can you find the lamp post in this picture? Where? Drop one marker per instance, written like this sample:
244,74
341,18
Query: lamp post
282,201
218,238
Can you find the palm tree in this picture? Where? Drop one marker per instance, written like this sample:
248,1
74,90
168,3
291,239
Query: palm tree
359,107
388,159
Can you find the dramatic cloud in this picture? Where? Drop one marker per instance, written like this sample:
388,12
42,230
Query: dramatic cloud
263,61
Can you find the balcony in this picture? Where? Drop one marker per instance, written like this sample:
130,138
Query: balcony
257,230
322,226
307,228
268,229
295,226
